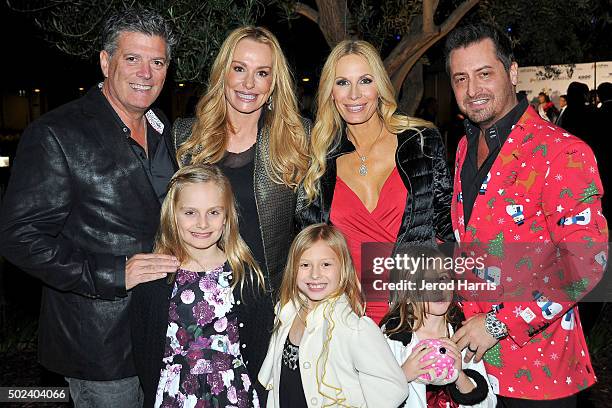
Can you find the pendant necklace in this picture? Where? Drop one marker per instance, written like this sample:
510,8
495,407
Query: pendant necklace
363,167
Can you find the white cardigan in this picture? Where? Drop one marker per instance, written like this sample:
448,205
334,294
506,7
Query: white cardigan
360,370
418,397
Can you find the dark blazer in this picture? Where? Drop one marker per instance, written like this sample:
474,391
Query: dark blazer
425,174
149,310
78,203
276,203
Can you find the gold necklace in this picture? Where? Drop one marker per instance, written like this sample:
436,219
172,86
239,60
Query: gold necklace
363,167
299,314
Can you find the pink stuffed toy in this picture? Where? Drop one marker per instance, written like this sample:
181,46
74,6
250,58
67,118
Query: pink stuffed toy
442,368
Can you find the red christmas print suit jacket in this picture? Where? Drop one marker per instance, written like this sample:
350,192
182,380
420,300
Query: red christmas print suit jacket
537,223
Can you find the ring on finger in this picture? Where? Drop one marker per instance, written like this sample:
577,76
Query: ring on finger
470,349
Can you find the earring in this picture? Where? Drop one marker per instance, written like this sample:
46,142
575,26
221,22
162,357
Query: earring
269,102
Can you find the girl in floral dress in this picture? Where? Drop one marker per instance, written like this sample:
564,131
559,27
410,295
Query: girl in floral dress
200,335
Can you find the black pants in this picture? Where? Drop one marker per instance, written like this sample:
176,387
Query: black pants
505,402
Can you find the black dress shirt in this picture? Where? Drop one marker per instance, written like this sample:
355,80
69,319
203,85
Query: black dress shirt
472,177
157,163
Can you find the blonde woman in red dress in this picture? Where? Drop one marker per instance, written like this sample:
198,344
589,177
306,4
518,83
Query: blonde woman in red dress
377,175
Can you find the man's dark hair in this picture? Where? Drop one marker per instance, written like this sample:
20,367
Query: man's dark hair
469,34
604,90
136,20
564,97
577,94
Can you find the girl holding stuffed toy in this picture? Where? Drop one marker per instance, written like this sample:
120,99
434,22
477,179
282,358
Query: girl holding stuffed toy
324,352
418,329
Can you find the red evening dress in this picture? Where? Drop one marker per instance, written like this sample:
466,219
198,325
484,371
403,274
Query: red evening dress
359,225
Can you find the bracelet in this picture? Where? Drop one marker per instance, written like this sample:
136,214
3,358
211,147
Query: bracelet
494,327
473,397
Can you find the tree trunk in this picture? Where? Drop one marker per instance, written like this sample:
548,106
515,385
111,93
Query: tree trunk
333,20
412,90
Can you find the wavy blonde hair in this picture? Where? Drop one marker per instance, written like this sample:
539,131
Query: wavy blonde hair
168,240
328,124
349,284
288,142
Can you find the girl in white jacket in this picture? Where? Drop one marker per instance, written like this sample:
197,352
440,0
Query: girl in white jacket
416,315
324,352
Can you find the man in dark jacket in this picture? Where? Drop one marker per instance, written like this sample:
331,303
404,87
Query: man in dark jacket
82,208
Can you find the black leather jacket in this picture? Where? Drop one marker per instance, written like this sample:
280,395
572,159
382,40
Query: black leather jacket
78,202
425,175
276,203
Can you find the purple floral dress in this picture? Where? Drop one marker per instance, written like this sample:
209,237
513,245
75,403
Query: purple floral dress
203,366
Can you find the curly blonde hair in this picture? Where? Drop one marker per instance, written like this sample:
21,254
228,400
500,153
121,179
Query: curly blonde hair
288,142
328,124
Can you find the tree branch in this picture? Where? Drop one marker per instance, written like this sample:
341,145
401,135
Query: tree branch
307,11
456,16
428,16
411,48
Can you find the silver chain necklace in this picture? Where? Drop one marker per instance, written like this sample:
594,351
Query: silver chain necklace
363,167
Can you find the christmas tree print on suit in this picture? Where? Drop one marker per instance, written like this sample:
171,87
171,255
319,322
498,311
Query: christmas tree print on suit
575,289
589,192
551,174
493,356
496,246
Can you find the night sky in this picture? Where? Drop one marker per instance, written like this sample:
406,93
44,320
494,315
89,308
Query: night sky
30,62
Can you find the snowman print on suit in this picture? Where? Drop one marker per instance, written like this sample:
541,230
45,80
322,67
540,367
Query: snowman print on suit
549,308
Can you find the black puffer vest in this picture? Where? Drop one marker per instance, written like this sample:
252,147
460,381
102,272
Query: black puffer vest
421,161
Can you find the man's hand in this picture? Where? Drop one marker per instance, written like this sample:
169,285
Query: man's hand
473,336
148,267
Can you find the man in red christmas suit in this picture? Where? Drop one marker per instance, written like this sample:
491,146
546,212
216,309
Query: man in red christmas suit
526,193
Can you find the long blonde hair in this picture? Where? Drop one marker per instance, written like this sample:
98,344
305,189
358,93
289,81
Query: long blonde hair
168,240
288,142
349,284
328,124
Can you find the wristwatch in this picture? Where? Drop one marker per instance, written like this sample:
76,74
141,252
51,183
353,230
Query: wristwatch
494,327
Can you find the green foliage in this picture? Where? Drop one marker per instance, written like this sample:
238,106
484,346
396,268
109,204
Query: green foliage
200,26
553,31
